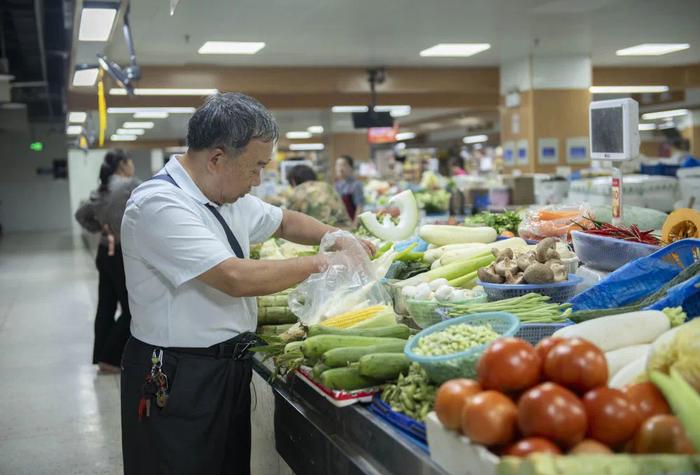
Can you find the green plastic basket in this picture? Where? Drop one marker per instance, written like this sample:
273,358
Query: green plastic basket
462,364
427,313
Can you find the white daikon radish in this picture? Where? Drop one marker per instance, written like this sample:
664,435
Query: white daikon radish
464,245
432,255
618,359
618,331
441,235
467,253
629,374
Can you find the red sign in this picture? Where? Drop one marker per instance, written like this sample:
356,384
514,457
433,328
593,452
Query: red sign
382,134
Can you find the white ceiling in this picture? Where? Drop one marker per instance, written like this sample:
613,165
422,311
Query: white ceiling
392,32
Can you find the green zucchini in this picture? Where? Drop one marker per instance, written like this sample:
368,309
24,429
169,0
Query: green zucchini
347,379
338,357
315,346
384,366
318,369
398,330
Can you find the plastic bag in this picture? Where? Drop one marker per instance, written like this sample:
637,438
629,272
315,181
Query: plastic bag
348,283
554,221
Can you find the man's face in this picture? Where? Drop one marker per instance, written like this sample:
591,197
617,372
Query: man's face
237,175
342,169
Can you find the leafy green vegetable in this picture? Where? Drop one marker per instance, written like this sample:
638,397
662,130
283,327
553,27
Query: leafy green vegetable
506,221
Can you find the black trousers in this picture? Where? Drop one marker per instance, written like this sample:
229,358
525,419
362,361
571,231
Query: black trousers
110,334
205,426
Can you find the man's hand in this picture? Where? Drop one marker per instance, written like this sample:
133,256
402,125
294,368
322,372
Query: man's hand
350,244
369,248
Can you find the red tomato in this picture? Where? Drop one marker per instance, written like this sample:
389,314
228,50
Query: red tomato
590,446
662,434
450,399
553,412
532,445
577,364
647,398
509,364
612,418
547,344
489,418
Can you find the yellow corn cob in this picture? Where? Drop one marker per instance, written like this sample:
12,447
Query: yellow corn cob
347,319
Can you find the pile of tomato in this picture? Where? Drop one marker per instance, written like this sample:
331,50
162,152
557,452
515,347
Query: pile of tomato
554,398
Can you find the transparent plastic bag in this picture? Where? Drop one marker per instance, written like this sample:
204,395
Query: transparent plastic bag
554,221
348,283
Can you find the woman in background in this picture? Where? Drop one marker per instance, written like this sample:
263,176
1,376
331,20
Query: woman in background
103,213
316,198
350,189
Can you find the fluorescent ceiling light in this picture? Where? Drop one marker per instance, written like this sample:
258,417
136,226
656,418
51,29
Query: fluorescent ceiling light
77,117
298,135
652,49
130,132
123,138
396,111
138,125
475,138
96,23
316,129
627,89
667,125
175,149
346,109
405,136
136,110
74,129
306,146
646,126
85,77
455,49
231,47
151,115
164,91
664,114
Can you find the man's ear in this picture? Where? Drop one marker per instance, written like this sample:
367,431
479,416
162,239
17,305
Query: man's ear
214,157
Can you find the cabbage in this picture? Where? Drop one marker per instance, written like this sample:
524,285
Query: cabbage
681,352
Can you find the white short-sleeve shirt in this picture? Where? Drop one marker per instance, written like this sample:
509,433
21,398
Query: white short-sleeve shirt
168,238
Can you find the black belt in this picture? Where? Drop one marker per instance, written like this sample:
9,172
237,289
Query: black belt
236,348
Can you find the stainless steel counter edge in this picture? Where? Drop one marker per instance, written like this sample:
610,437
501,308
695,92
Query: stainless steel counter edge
315,437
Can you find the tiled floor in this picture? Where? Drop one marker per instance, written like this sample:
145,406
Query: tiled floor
56,415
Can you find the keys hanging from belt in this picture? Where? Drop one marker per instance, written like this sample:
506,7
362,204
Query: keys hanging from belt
155,387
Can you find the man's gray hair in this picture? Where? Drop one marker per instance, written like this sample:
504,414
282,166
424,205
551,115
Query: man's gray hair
230,121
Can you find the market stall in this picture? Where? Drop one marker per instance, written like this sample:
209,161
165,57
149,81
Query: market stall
438,354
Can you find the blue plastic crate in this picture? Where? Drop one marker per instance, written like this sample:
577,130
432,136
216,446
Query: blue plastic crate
641,277
534,332
415,430
559,292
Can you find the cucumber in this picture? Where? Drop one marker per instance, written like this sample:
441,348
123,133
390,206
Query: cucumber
338,357
318,369
315,346
346,379
384,366
398,330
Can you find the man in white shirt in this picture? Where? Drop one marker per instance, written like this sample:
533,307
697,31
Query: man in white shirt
185,237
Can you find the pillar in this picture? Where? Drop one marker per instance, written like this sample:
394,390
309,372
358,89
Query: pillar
690,130
544,113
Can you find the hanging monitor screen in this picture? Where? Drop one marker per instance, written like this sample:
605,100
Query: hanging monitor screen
606,133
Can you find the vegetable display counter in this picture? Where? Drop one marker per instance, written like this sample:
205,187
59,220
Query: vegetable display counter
314,437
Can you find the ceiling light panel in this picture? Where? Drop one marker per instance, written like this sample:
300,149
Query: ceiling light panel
646,126
123,138
74,129
231,47
298,135
130,132
475,139
348,109
164,92
405,136
85,77
96,23
306,146
136,110
652,49
664,114
77,117
455,49
315,129
627,89
151,115
138,125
